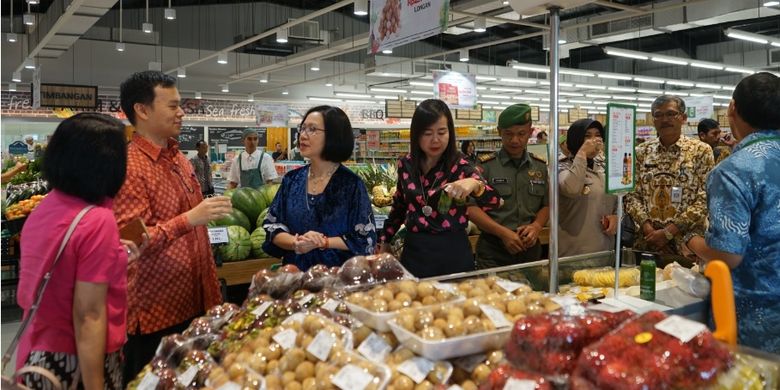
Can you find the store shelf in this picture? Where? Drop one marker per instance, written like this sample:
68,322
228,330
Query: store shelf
241,272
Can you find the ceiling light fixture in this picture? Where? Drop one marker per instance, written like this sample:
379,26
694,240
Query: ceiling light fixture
590,86
29,64
225,88
649,80
11,37
562,93
17,76
329,83
324,99
360,101
421,92
421,84
181,73
281,35
595,96
385,97
708,86
518,81
263,78
388,90
624,53
146,26
531,68
680,83
361,7
667,60
120,46
574,72
353,95
771,3
621,89
285,91
480,24
739,70
198,95
11,87
495,96
170,13
485,78
315,66
706,65
614,76
387,51
33,2
651,91
746,36
250,97
464,55
222,58
502,89
28,19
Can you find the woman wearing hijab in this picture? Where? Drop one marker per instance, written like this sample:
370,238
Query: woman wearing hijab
587,219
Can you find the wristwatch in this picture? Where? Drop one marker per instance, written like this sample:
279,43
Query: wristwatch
669,236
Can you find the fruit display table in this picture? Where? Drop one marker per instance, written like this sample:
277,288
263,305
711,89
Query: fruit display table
240,272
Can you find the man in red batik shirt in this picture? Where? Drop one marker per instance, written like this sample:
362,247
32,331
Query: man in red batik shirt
175,279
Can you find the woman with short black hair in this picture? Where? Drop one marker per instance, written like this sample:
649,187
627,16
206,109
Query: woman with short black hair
80,323
321,214
433,182
469,151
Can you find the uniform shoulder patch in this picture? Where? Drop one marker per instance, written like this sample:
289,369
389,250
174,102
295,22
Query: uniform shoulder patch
537,158
483,158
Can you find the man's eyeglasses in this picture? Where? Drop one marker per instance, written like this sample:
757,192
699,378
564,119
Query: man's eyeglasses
666,115
309,130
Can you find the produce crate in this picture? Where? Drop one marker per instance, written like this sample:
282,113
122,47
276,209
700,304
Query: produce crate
14,226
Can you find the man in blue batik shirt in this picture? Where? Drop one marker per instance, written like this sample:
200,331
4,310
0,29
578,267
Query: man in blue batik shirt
744,211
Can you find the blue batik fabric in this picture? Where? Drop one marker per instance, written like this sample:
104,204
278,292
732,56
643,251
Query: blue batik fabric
343,210
744,219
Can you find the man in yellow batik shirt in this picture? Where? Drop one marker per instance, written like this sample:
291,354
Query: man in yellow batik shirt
669,201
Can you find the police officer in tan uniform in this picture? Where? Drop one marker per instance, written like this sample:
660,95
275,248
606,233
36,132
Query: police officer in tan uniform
510,234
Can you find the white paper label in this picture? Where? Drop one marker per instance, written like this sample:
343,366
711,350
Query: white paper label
519,384
495,316
306,299
445,287
470,363
508,285
352,377
454,387
565,301
374,348
218,235
187,376
321,345
606,308
331,305
680,327
261,309
149,382
230,385
286,338
416,368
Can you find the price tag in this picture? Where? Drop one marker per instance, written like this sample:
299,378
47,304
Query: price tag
218,235
352,377
286,338
374,348
149,382
379,221
306,299
331,305
508,285
565,301
187,376
682,328
519,384
495,316
230,385
606,308
262,308
416,368
321,345
445,287
470,363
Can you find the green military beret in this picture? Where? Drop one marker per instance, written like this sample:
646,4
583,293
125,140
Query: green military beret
247,132
516,114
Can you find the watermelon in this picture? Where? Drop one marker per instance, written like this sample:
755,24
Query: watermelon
269,193
229,193
235,218
249,201
239,245
261,218
258,238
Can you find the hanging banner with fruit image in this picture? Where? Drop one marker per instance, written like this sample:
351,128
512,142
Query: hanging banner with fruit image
397,22
458,90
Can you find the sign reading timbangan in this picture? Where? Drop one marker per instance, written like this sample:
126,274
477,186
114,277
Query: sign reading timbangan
67,96
397,22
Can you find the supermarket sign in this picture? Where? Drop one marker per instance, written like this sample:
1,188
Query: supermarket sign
66,96
458,90
393,23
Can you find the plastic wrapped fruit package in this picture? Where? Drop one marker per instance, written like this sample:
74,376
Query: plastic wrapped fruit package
221,314
491,284
639,355
310,353
605,277
361,272
192,372
409,371
749,373
472,371
551,343
507,377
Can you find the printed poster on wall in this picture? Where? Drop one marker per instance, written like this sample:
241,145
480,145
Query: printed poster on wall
393,23
619,147
458,90
272,115
698,108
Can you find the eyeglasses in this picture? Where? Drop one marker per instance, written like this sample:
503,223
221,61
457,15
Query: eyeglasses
309,130
666,115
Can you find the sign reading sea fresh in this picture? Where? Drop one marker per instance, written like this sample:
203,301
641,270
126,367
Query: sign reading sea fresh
394,23
458,90
68,96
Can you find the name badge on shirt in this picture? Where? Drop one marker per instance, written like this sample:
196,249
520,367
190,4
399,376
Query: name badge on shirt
499,180
676,194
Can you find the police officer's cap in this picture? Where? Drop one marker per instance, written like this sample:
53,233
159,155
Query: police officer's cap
516,114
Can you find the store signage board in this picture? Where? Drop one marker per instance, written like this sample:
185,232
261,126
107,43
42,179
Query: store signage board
36,87
18,148
476,114
394,23
65,96
189,136
400,108
272,115
372,139
458,90
619,148
698,108
232,136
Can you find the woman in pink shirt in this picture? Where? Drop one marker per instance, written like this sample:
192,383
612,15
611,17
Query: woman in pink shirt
79,327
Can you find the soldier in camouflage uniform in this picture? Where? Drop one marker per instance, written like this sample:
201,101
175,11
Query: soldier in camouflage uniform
510,234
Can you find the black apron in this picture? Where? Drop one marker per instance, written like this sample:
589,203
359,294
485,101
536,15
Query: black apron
426,254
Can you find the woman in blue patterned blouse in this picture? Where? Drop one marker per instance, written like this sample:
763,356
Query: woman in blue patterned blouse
321,214
744,211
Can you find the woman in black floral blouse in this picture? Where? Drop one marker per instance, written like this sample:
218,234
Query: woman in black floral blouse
433,184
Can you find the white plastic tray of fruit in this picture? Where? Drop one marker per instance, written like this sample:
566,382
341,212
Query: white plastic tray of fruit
379,321
451,347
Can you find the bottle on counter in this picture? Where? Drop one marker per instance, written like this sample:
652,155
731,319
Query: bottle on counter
647,277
